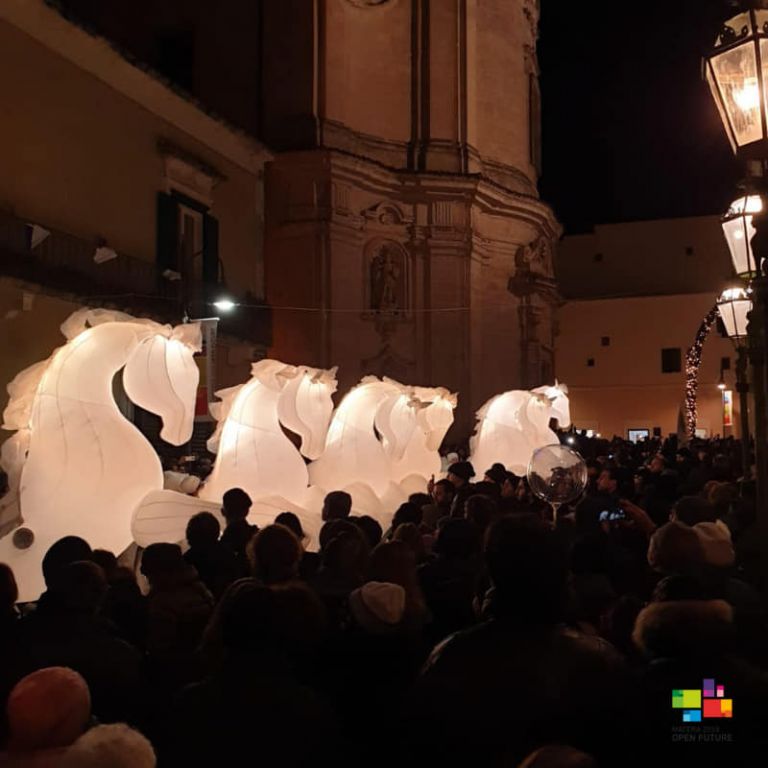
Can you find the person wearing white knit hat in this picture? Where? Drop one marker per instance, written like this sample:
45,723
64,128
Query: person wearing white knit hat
716,542
378,607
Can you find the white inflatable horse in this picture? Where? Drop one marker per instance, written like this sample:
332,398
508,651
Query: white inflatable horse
383,444
511,426
254,452
77,466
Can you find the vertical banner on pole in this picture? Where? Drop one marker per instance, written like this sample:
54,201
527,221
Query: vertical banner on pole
210,355
206,362
727,408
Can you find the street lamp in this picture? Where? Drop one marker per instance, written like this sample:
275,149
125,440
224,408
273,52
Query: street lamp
737,75
737,72
734,306
739,231
223,304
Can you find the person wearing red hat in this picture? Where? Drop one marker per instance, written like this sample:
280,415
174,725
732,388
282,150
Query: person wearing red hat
48,710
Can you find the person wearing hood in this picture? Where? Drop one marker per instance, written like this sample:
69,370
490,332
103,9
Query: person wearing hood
371,666
178,608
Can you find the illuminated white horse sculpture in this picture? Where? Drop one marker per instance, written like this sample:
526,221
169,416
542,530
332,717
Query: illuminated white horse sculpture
511,426
382,435
353,452
82,467
253,452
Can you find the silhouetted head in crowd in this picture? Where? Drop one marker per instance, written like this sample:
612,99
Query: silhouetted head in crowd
274,553
9,591
106,560
236,504
370,528
457,539
460,473
337,505
410,534
162,562
346,555
60,554
509,485
608,481
496,474
203,531
443,493
378,608
528,569
675,548
481,510
420,499
490,490
82,588
334,528
292,522
393,562
692,510
407,513
658,464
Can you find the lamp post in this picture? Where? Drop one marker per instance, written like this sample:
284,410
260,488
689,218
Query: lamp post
734,306
736,69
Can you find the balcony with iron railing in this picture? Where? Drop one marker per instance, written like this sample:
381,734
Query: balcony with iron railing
88,272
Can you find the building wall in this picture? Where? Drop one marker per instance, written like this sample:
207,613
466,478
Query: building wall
422,146
645,258
84,147
626,389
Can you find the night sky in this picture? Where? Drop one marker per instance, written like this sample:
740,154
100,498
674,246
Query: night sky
630,129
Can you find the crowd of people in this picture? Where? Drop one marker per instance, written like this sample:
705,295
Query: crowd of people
475,631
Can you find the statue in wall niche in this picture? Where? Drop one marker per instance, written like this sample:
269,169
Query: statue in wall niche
535,257
385,280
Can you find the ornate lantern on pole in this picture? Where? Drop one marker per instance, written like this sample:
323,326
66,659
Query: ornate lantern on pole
737,71
734,306
739,231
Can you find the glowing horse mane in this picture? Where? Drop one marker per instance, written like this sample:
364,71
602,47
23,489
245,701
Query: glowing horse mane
419,459
78,465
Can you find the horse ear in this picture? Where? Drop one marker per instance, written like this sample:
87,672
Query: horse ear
189,334
267,372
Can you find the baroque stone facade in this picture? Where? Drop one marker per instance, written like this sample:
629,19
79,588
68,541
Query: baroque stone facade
404,235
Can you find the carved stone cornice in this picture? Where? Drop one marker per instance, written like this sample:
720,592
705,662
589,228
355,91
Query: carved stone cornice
404,189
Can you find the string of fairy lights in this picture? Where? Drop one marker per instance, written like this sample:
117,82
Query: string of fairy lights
692,365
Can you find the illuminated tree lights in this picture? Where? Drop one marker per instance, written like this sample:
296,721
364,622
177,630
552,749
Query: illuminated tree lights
692,365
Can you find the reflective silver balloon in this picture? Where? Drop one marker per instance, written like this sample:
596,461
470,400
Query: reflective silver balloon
557,474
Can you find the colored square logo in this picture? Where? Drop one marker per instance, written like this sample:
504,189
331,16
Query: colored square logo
686,699
709,703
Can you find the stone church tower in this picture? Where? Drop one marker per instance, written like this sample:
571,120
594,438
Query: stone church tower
404,232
